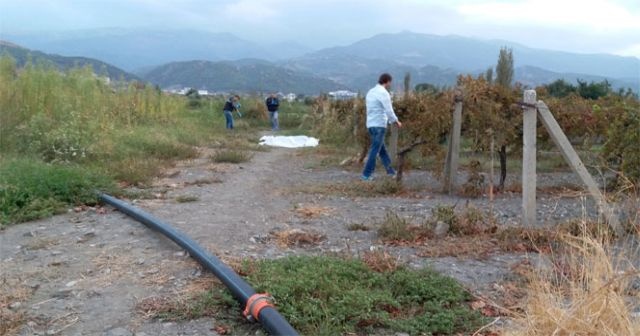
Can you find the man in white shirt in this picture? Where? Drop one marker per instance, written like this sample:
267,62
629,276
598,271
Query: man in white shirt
379,115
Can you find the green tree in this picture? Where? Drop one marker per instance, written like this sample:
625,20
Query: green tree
504,77
593,90
407,84
488,75
560,88
504,69
427,88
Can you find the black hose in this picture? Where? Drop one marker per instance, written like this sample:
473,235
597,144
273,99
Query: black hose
269,317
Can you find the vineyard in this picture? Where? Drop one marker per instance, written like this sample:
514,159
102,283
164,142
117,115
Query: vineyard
605,129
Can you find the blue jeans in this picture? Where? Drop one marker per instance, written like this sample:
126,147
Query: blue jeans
273,116
229,117
377,148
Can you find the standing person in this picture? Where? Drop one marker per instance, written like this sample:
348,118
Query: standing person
379,115
272,106
232,104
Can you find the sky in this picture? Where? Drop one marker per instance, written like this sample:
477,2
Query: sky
587,26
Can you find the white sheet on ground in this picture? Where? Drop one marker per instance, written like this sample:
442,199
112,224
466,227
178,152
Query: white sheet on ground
297,141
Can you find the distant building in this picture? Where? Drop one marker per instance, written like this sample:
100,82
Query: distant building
203,92
290,97
343,95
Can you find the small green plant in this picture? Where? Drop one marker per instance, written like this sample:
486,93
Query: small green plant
186,198
446,214
394,228
231,156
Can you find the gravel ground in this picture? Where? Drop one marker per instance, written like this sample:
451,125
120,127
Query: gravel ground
84,271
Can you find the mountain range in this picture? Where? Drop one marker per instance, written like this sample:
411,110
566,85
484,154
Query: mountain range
23,55
243,75
132,49
222,61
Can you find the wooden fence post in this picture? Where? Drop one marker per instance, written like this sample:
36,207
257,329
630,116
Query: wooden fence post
393,143
453,153
529,160
572,158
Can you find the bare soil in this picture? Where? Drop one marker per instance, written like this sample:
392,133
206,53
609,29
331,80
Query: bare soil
82,273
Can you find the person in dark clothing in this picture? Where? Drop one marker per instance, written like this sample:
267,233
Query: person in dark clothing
232,104
272,106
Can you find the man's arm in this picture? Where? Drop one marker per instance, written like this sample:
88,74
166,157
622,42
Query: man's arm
388,109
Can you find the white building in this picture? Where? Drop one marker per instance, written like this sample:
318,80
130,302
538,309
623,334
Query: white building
343,95
290,97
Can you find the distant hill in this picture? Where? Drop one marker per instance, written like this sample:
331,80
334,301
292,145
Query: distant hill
463,54
133,49
527,75
533,76
22,55
243,76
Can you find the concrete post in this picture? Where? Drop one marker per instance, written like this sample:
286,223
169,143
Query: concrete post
529,160
572,158
453,153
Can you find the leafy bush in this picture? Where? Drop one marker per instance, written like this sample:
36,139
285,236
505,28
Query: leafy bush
622,147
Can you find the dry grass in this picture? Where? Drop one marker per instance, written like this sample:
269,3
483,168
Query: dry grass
589,295
40,243
477,247
203,181
298,238
231,156
110,267
378,187
358,227
312,211
12,291
380,261
194,301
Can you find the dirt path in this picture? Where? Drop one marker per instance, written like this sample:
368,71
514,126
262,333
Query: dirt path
82,273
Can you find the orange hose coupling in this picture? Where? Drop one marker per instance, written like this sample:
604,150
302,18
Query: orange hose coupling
255,304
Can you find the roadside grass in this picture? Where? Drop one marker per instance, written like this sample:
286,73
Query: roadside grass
333,296
31,189
186,198
231,156
385,186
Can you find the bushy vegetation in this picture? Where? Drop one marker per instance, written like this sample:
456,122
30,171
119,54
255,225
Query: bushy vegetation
84,127
331,296
64,135
334,296
31,189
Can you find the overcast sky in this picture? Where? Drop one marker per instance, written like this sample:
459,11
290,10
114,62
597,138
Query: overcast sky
573,25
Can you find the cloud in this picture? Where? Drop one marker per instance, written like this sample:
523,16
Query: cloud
252,11
598,16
